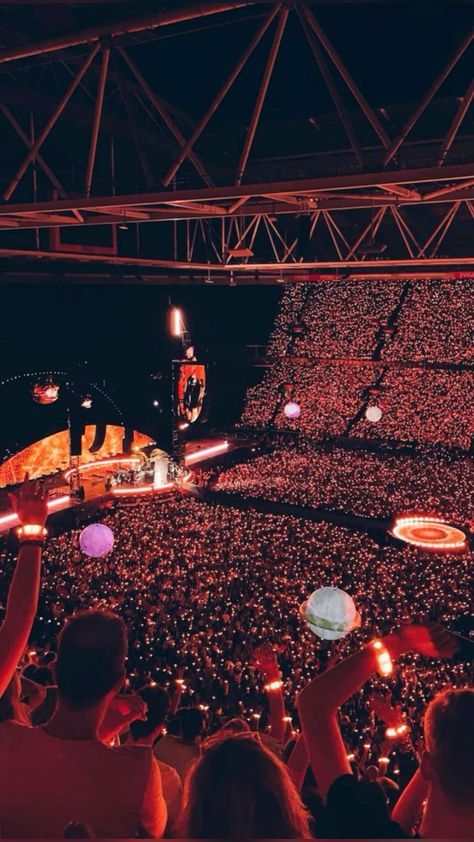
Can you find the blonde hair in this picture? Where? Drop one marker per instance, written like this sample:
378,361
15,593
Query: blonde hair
449,737
238,789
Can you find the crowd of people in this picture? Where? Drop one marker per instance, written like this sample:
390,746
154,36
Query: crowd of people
327,353
210,600
345,319
185,685
359,482
435,324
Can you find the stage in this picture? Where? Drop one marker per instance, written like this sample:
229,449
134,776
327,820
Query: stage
95,477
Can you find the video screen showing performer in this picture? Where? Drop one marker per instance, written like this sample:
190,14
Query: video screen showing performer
191,390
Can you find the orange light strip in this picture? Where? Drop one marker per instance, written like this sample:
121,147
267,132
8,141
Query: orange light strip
133,489
198,455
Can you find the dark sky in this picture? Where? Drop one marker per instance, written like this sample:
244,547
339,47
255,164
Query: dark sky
121,333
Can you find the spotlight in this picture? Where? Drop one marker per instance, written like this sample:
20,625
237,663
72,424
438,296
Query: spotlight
176,322
156,403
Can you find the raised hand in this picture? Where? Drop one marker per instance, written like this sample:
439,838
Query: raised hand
431,640
30,502
265,660
121,712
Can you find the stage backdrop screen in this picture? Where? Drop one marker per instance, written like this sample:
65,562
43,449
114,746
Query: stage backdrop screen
190,390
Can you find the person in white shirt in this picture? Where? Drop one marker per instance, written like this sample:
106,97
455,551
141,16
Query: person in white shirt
62,772
181,752
146,732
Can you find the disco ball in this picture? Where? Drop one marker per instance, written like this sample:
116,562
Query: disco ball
292,410
373,414
330,613
96,540
45,393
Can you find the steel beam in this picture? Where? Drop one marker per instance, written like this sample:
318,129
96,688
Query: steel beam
169,122
192,211
40,160
393,149
331,86
445,191
97,117
261,95
353,87
34,149
114,30
246,268
301,188
464,106
220,96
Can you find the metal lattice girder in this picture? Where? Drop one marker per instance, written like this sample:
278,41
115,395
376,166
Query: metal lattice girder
331,193
132,25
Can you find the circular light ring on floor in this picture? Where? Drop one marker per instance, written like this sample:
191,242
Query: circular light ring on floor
428,533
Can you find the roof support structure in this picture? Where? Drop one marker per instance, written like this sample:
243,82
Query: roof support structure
220,96
34,149
261,95
443,75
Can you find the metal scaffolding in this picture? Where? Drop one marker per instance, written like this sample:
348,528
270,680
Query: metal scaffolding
387,204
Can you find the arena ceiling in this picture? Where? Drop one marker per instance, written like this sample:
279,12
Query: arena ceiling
236,142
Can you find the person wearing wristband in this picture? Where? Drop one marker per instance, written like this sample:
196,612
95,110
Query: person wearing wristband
355,808
266,661
30,506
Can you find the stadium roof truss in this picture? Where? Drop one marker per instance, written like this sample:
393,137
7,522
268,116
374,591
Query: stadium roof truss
380,203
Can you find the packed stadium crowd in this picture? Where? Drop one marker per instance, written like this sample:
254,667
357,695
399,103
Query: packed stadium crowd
345,319
183,684
210,600
321,332
435,324
358,482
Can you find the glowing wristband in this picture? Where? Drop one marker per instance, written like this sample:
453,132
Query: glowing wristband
32,532
384,661
273,685
393,733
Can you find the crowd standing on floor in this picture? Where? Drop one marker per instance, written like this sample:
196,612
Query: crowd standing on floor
206,667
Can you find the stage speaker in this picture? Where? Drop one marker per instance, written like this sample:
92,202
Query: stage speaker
99,437
128,440
76,431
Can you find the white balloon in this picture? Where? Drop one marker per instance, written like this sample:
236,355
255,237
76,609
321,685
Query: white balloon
292,410
373,413
330,613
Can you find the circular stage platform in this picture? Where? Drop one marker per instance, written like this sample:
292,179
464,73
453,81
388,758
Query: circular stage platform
428,533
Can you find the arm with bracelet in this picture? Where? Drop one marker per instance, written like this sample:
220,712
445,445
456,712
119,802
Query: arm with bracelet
320,700
266,661
30,505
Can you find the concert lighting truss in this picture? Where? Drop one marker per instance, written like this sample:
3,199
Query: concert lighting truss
380,204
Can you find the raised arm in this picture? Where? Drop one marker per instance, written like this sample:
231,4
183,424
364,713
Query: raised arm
408,808
298,762
30,505
266,661
319,702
